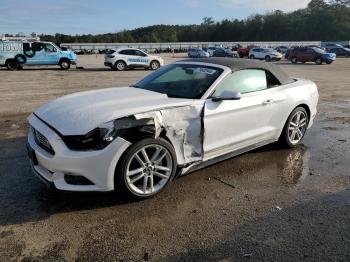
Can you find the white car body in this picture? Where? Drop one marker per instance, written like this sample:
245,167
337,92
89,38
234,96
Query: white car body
132,57
263,53
200,130
211,50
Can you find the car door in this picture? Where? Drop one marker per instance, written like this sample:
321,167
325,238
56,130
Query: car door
219,53
259,53
51,54
231,125
310,55
137,58
301,54
37,55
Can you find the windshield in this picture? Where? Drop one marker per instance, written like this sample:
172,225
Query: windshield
181,80
56,46
319,50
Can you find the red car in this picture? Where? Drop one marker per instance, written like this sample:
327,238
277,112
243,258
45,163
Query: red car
244,51
310,54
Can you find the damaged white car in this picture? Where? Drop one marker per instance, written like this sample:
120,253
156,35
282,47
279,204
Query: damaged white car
180,118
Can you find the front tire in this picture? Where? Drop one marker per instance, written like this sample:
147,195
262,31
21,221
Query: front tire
146,168
294,60
154,65
318,61
268,58
251,57
64,64
295,128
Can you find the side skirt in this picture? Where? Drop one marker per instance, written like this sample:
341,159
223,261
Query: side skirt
199,165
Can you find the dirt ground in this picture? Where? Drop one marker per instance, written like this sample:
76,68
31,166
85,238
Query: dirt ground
266,205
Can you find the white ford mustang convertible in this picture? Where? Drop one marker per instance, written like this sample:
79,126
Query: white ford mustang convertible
180,118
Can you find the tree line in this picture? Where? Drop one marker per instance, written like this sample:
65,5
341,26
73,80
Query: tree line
320,20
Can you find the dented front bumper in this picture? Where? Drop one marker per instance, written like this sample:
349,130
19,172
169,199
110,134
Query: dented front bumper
98,167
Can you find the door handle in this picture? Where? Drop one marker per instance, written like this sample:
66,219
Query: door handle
269,101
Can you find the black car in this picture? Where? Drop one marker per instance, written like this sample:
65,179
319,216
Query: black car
340,51
221,52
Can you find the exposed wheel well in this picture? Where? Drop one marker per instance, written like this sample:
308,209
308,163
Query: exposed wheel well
9,60
63,59
135,134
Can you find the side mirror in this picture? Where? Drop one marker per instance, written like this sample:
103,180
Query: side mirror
227,95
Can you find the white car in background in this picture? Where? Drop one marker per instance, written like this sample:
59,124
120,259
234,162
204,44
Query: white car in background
211,50
267,54
123,58
183,117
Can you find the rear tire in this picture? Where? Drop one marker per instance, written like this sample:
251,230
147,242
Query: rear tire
294,60
142,172
295,128
251,57
120,66
12,64
64,64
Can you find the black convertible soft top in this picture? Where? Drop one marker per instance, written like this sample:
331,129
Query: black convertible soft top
237,64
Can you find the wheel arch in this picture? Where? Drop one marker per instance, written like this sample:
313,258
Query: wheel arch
303,105
307,109
120,60
63,59
154,60
134,135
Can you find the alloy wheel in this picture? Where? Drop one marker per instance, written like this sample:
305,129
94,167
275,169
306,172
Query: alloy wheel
120,66
154,65
297,127
65,64
149,169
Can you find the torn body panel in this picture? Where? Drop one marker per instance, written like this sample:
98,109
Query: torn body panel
183,126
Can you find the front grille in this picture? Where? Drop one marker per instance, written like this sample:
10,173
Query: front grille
43,142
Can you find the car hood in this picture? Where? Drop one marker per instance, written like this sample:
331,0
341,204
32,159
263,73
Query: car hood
79,113
329,55
276,53
69,54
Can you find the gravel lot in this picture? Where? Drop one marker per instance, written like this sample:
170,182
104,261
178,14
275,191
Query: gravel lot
266,205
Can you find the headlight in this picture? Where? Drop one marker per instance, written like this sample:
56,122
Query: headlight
96,139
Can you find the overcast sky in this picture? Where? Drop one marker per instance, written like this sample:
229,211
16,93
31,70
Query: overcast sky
102,16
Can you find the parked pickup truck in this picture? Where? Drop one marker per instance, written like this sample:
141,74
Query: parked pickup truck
14,54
